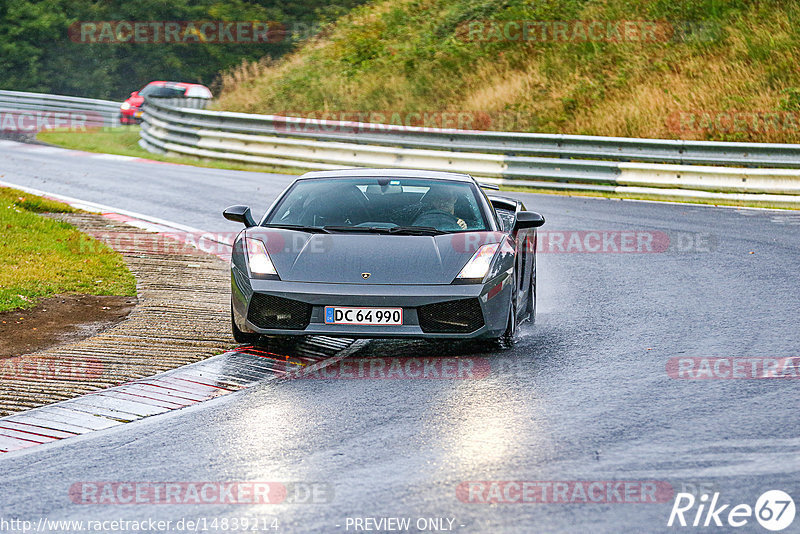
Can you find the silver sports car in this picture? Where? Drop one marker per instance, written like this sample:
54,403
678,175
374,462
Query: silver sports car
384,253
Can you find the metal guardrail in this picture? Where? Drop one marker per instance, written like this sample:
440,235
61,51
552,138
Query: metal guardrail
183,102
97,112
581,162
509,143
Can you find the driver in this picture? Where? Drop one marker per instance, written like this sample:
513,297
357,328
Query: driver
440,204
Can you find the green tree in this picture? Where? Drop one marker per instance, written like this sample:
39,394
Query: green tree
37,54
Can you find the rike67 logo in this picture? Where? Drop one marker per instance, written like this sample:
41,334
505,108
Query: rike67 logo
774,510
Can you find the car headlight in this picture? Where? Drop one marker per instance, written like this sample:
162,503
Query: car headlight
258,259
125,106
478,265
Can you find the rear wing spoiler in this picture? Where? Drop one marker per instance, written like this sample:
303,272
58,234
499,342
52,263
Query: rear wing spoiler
489,186
504,203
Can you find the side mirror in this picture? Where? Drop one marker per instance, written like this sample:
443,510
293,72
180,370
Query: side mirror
134,93
240,214
528,219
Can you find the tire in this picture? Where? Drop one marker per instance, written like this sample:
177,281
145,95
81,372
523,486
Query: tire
242,337
509,337
532,300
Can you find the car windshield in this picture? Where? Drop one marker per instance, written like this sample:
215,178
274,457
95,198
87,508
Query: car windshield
159,91
393,205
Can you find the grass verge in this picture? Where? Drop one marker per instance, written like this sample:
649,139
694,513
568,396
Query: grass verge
124,141
41,257
698,69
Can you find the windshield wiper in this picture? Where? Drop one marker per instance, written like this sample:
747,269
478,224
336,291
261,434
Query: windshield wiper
359,229
415,230
298,227
392,230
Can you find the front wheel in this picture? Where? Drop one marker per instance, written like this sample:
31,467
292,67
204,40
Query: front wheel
532,300
509,337
242,337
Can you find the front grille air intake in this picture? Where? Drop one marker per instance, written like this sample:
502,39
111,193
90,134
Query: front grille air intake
267,311
451,317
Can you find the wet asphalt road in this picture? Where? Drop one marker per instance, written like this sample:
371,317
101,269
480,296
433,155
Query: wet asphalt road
584,395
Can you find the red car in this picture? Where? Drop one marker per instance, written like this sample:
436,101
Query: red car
130,112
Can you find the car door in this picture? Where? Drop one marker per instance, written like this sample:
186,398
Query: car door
524,264
507,210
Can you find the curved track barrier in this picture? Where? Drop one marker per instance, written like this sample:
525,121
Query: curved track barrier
23,112
664,168
31,112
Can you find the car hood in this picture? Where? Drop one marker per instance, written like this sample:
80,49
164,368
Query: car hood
135,101
389,259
